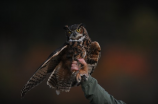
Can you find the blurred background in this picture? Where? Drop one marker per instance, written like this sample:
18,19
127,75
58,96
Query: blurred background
127,32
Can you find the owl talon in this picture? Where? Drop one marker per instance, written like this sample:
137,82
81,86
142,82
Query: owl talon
85,77
78,78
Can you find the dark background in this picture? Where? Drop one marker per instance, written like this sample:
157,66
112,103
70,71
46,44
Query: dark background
127,32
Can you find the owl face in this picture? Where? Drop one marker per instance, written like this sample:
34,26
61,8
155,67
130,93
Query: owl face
75,32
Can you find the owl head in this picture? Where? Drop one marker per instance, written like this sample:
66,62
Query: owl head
76,32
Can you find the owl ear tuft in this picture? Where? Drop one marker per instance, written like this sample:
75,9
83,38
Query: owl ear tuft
81,24
66,27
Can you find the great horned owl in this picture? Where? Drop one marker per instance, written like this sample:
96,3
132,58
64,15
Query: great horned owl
77,45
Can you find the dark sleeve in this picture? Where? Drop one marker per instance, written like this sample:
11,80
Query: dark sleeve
96,94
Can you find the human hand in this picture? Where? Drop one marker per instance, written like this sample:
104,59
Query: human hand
82,72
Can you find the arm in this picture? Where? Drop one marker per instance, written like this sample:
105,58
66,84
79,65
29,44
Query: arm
92,90
96,94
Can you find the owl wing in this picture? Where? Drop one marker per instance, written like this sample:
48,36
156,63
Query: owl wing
47,67
94,56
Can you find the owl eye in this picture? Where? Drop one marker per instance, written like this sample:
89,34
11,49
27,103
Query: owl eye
78,30
69,32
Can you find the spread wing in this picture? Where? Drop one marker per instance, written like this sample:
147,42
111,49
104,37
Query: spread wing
47,67
94,56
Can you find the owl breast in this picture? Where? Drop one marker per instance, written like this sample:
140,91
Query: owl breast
76,50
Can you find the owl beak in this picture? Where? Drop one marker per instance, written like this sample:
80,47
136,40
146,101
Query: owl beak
74,34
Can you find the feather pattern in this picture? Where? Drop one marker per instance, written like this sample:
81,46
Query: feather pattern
41,73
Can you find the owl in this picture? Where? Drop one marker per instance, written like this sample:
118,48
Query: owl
58,65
